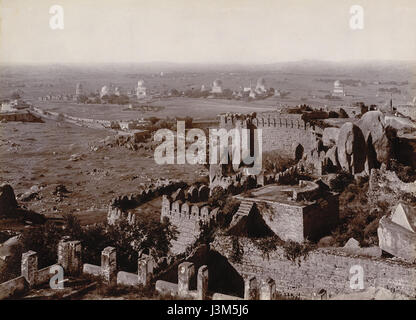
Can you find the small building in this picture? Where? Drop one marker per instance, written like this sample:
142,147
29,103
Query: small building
79,90
216,86
261,86
105,91
338,90
295,212
141,90
397,232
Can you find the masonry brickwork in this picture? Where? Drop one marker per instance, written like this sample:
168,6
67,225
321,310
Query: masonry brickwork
322,269
188,219
280,131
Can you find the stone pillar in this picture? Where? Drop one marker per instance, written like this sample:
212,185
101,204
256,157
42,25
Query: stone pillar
202,283
145,267
250,288
29,266
75,259
109,265
268,289
185,272
69,255
63,254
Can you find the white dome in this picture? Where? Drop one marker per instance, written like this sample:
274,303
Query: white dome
337,83
140,83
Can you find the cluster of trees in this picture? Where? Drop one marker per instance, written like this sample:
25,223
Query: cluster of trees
358,219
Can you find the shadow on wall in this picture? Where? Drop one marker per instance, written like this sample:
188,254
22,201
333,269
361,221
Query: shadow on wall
223,278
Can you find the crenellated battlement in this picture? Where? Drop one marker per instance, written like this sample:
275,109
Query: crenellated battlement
178,211
188,211
270,120
119,205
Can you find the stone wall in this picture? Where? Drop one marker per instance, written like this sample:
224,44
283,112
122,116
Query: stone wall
279,131
324,268
299,221
119,205
187,218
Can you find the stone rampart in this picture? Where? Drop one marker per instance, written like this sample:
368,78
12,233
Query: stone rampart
323,269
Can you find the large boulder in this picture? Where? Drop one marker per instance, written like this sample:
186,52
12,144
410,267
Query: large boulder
330,136
332,156
8,203
351,147
376,134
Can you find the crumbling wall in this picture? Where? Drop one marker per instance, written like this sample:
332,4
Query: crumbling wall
118,206
324,268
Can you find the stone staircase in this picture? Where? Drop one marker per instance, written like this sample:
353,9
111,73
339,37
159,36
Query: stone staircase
242,213
244,208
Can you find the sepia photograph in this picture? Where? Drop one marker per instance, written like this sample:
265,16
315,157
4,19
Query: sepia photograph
217,151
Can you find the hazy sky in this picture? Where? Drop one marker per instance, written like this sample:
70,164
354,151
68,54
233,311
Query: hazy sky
257,31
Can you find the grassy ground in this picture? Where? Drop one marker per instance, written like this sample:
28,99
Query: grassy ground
38,154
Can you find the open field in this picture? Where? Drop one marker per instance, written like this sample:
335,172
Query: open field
38,154
307,82
175,107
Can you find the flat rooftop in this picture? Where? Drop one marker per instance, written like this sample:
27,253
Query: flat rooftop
280,193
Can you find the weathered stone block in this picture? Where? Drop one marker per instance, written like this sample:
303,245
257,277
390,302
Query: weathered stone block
202,283
109,265
29,266
186,271
267,289
250,288
145,267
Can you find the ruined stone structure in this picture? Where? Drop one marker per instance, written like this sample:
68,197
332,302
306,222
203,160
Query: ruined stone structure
295,213
217,86
321,270
188,218
69,259
284,132
120,205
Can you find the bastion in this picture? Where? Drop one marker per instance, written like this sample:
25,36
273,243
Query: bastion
296,212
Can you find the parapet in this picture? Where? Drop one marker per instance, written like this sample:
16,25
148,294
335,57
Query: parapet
119,205
187,211
271,120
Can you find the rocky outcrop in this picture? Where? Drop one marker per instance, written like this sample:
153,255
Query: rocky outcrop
8,203
376,134
386,187
352,149
330,136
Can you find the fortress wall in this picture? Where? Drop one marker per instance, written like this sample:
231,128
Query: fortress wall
284,220
119,205
286,139
327,269
187,219
279,132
